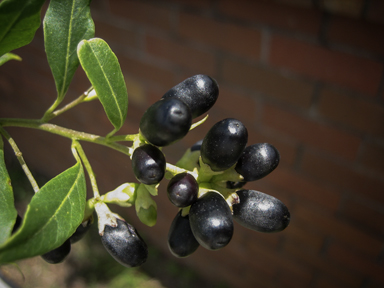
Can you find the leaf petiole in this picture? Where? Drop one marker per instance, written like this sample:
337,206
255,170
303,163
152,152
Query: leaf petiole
50,115
19,156
79,152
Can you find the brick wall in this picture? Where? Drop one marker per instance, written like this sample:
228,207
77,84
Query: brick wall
305,76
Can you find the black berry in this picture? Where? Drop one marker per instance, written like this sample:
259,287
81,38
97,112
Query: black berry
125,244
182,190
257,161
58,255
148,164
181,241
166,121
260,212
199,92
223,144
80,231
211,221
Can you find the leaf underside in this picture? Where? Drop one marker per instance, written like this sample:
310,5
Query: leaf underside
104,72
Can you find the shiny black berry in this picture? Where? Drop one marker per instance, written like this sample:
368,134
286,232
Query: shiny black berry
125,244
148,164
182,190
211,221
223,144
166,121
197,146
257,161
199,92
58,255
260,212
80,231
181,241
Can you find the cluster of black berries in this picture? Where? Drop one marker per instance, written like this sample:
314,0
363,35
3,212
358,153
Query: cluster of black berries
165,122
209,222
209,192
206,218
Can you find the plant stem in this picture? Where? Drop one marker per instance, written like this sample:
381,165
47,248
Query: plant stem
21,160
51,113
88,167
65,132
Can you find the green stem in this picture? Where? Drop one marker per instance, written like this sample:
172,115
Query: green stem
88,167
65,132
21,160
129,137
51,113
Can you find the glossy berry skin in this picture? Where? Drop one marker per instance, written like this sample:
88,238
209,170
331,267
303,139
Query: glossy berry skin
166,121
80,231
148,164
211,221
58,255
235,185
124,244
260,212
182,190
223,144
181,241
199,92
257,161
197,146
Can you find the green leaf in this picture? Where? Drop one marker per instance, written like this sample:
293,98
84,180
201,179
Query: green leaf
52,216
9,56
19,20
7,207
104,72
66,23
146,208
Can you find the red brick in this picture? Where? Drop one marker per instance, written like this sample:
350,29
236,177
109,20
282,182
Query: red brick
356,262
274,14
116,36
229,37
197,60
146,71
342,176
311,133
143,13
326,281
361,213
336,229
365,116
200,4
300,186
305,238
372,156
324,267
290,273
358,33
360,74
236,104
346,7
375,11
301,3
267,82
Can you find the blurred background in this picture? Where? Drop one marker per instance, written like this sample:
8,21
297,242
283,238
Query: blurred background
303,75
